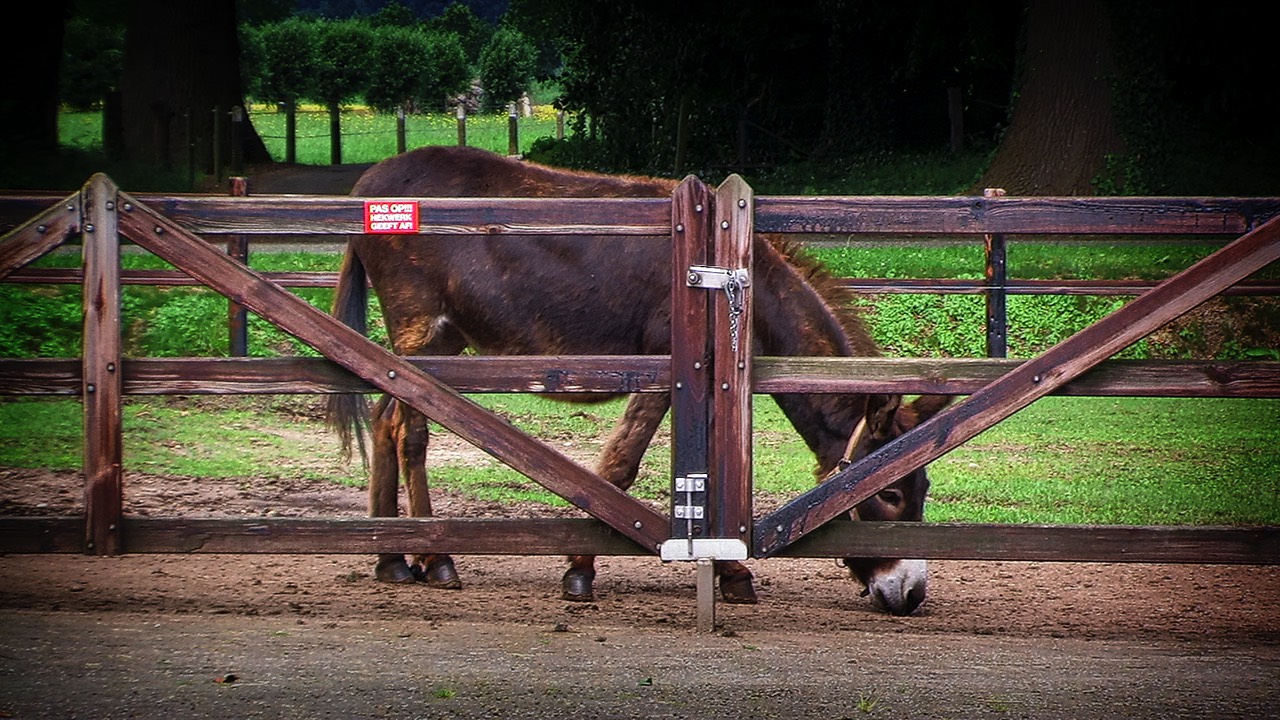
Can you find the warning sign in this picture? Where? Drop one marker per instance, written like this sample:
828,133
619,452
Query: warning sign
390,216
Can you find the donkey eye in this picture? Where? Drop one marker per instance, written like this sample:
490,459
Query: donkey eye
890,497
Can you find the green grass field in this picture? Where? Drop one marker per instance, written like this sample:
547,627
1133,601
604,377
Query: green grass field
366,136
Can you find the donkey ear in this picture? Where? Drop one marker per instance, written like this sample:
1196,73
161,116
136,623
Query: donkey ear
881,411
917,411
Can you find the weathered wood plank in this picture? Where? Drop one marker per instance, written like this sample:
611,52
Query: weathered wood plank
935,541
325,215
103,419
942,286
731,497
611,374
1020,387
690,362
1013,215
328,215
558,536
1049,543
393,374
37,236
38,535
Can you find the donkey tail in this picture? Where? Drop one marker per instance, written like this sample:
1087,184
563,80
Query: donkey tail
348,414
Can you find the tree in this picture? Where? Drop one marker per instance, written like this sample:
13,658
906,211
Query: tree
415,67
181,60
472,32
507,65
1063,127
288,60
92,59
342,71
400,56
29,109
286,53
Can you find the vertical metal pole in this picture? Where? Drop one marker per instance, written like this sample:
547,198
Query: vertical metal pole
706,584
996,297
238,248
103,438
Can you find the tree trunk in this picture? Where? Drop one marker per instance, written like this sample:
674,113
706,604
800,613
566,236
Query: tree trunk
1063,128
181,59
32,53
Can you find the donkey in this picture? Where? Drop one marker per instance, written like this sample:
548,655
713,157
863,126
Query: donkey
550,295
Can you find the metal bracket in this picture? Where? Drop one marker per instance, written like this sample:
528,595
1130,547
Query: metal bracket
716,278
692,508
703,549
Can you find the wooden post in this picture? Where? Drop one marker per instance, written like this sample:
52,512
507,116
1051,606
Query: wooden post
559,124
513,131
691,213
731,382
237,316
996,294
335,133
290,132
400,139
101,369
237,140
462,125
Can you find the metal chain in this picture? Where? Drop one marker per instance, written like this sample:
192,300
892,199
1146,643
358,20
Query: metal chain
733,291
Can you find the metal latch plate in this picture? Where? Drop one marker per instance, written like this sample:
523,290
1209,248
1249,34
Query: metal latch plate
716,278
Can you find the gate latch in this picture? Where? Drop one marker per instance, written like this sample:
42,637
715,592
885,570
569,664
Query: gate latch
734,284
717,278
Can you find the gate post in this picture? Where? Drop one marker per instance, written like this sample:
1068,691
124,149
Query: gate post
996,277
711,381
732,338
102,390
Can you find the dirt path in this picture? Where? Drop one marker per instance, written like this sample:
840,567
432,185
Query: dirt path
314,636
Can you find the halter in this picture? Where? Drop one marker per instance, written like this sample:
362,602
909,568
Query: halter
855,439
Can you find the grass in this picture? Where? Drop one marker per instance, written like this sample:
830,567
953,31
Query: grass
1139,461
366,136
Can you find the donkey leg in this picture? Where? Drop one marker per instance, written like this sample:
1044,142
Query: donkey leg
435,569
384,483
736,582
619,462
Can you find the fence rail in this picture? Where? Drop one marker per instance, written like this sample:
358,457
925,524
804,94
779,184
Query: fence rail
321,219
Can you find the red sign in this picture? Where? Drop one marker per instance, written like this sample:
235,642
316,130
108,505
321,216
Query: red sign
390,216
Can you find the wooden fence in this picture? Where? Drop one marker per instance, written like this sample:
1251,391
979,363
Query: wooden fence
181,228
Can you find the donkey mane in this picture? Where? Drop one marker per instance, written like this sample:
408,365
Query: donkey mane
840,300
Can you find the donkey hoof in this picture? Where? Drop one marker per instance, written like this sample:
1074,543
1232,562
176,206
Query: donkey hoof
738,590
394,570
439,574
576,585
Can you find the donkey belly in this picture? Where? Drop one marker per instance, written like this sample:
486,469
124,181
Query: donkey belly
604,296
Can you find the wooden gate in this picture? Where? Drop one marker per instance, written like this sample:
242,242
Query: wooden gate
710,374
